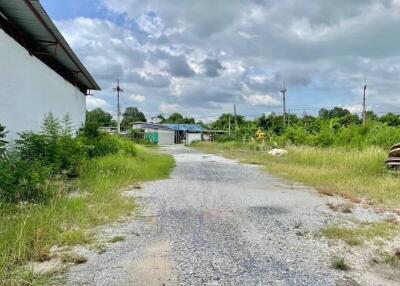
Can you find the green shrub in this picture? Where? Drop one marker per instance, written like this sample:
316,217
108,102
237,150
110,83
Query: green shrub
135,134
325,138
62,154
102,145
295,135
21,180
127,147
382,135
72,152
224,138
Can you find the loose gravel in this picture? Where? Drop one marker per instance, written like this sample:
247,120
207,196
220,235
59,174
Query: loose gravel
216,222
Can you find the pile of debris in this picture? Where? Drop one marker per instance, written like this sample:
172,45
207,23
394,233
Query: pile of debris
394,157
277,152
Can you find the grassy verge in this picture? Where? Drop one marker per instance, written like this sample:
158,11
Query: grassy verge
355,174
28,232
359,235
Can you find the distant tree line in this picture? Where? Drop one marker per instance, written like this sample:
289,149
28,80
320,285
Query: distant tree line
325,128
336,126
99,118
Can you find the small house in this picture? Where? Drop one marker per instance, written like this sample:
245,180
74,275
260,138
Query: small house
187,133
156,133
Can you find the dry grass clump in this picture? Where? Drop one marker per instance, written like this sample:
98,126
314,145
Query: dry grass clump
339,263
73,258
360,234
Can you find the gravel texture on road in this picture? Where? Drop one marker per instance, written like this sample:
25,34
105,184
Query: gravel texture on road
216,222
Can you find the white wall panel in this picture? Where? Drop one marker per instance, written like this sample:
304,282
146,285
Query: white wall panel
166,137
192,137
29,90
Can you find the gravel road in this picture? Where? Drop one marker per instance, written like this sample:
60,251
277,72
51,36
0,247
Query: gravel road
216,222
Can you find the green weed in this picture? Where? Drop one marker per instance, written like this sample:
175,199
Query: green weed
28,232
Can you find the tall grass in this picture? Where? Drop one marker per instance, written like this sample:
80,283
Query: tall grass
352,173
28,232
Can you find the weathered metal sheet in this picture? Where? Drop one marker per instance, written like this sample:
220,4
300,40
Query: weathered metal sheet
394,152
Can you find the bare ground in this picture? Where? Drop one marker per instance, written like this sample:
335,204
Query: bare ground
218,222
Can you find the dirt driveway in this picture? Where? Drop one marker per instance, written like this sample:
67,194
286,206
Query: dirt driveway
216,222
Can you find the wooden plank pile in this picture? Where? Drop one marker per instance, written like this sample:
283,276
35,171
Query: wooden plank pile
394,157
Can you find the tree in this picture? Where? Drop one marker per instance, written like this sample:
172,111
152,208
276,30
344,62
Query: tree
99,117
178,118
371,115
391,119
95,119
51,126
311,124
222,123
131,115
272,123
349,119
66,125
175,118
336,112
160,118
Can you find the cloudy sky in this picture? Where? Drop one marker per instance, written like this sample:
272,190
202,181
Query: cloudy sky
201,57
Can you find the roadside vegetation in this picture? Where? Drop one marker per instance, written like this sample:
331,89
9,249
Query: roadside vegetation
54,188
333,151
354,174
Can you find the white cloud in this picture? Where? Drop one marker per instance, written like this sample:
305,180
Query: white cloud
158,49
261,99
357,108
94,102
138,98
170,108
176,87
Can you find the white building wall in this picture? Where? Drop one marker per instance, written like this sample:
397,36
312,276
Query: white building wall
29,90
166,137
192,137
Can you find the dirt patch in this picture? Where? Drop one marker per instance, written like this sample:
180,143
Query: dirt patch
154,269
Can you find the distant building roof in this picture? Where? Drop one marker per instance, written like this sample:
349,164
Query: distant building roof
186,127
147,125
28,23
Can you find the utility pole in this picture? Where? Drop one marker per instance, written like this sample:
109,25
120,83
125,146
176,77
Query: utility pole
234,111
289,118
229,124
364,114
283,91
119,90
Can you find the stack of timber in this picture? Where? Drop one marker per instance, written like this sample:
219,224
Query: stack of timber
394,157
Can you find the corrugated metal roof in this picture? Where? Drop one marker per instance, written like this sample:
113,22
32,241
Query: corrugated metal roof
185,127
151,126
30,17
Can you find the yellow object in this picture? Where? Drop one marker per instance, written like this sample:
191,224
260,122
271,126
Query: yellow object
260,136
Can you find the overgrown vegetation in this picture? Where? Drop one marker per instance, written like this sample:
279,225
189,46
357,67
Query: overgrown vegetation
331,128
353,174
333,151
40,204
